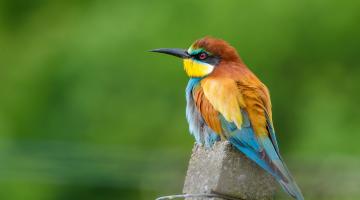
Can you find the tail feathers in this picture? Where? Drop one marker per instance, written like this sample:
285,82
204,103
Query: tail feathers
292,189
262,152
286,181
279,168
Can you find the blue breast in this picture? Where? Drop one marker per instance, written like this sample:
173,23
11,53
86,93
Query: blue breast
203,134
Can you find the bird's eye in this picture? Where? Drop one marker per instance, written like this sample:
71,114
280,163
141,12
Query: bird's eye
202,56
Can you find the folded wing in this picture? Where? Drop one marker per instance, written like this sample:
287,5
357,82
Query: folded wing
244,113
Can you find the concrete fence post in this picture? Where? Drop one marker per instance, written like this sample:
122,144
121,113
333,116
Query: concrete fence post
223,170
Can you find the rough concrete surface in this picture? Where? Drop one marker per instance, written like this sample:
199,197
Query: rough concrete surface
223,169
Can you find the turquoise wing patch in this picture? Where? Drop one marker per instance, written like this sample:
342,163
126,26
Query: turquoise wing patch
263,151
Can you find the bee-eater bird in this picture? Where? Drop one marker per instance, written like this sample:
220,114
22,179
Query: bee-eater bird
226,101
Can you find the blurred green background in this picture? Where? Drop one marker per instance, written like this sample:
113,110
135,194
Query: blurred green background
87,113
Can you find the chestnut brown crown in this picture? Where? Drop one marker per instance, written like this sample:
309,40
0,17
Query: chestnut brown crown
217,47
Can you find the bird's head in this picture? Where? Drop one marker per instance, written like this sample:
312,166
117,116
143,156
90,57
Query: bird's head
203,56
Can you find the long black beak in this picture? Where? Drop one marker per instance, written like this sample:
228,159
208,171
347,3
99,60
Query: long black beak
181,53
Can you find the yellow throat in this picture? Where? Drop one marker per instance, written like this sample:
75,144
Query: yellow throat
195,68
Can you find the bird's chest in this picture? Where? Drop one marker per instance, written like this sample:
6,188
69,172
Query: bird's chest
198,128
